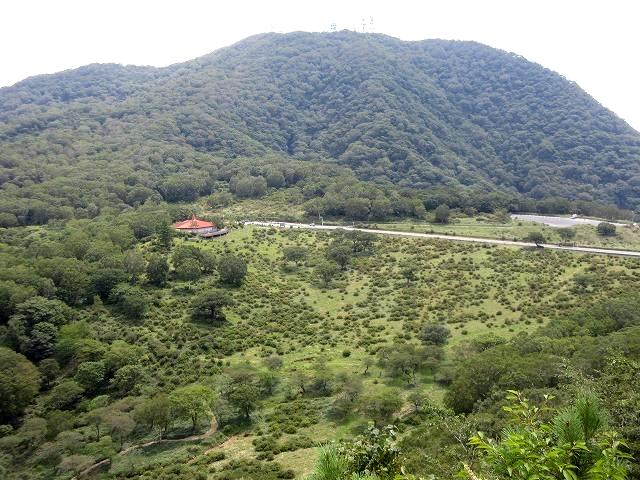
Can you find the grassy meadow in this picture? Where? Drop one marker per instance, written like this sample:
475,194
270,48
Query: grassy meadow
283,309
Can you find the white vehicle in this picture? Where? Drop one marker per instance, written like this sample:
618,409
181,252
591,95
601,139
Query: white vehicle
312,224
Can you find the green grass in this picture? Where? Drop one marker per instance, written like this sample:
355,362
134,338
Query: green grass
473,289
586,235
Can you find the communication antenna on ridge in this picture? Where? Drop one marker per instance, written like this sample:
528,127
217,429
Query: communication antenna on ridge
332,28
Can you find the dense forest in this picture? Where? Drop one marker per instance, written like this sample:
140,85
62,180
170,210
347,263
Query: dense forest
131,350
402,117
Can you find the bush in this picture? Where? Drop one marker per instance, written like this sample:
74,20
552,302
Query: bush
433,334
208,306
232,270
606,229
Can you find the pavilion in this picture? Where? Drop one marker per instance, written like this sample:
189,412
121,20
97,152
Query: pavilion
202,228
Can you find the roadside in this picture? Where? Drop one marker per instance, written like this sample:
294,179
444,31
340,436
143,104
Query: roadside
455,238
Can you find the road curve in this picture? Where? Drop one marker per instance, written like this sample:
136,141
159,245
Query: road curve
453,238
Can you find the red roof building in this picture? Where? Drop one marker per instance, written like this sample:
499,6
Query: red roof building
195,225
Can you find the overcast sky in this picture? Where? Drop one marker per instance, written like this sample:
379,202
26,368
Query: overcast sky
594,43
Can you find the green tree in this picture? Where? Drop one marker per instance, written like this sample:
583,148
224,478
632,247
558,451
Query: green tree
441,214
90,375
121,353
64,395
294,254
192,402
165,234
574,445
59,421
154,412
435,334
606,229
232,270
49,370
130,300
380,404
105,280
275,178
535,237
242,395
326,271
567,234
189,270
133,263
95,418
126,380
19,384
119,424
208,307
41,341
157,270
340,252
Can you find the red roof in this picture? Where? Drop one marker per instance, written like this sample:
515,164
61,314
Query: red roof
193,223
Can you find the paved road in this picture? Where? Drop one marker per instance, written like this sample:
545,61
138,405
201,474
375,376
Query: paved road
558,222
454,238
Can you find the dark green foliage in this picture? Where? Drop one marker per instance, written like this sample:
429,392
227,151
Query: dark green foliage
64,395
536,237
208,306
130,300
495,121
435,334
340,252
105,280
499,368
165,234
191,262
441,214
575,444
326,272
126,379
232,270
154,412
295,254
90,375
19,384
157,270
606,229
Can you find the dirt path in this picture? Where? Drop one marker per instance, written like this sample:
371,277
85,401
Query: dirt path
227,443
213,428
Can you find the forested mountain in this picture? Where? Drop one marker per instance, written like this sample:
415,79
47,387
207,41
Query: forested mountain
410,114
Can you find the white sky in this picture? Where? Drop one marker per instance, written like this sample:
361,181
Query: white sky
594,43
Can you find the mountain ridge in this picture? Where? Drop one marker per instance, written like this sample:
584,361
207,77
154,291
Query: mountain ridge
416,114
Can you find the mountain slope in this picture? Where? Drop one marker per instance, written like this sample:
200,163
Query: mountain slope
416,114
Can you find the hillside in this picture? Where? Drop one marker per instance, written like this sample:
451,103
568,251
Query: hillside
411,114
134,348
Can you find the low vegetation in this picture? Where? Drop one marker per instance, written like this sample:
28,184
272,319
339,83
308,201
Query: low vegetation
160,357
